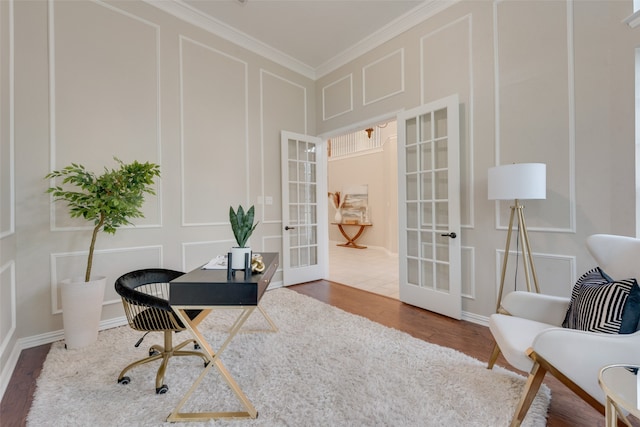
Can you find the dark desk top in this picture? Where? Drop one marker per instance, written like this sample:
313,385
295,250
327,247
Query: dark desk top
211,288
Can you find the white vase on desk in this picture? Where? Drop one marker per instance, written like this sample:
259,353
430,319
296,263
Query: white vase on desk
238,257
338,216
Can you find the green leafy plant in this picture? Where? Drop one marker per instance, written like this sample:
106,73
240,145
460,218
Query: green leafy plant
109,200
242,224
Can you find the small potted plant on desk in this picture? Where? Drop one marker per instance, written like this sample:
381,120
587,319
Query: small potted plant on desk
242,226
108,201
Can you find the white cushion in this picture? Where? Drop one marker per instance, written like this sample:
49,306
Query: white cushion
580,355
539,307
514,336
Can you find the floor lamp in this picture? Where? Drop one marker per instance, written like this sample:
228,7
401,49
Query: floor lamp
517,182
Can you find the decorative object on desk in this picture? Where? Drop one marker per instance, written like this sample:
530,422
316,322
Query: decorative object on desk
517,182
359,365
336,202
257,264
220,263
242,225
108,201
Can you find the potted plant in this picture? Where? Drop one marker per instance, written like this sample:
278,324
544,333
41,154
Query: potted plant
242,225
108,201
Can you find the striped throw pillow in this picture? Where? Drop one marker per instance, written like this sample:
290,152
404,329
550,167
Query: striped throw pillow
597,305
593,277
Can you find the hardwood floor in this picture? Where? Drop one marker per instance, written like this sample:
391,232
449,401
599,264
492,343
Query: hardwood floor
18,396
566,409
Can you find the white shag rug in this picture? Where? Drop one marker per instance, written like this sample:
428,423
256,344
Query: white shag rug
324,367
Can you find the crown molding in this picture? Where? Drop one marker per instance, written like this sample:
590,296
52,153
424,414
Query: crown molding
185,12
403,23
633,20
394,28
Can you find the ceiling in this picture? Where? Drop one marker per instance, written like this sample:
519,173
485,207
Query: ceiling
312,37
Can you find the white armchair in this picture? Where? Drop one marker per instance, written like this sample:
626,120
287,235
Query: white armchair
532,339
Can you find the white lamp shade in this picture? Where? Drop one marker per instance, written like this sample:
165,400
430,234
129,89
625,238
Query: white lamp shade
518,181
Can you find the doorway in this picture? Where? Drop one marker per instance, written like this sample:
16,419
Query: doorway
366,158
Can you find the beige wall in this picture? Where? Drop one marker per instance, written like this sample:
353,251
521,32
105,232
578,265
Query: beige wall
95,80
549,82
538,81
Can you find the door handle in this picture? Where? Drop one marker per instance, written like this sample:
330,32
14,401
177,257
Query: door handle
289,228
453,235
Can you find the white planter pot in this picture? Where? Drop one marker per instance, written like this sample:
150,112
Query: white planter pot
237,257
81,310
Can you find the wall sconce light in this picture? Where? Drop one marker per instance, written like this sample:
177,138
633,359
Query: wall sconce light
369,131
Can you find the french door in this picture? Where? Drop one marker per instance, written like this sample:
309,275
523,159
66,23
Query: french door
429,207
304,208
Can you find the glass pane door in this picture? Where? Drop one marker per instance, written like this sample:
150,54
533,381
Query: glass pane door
302,228
429,197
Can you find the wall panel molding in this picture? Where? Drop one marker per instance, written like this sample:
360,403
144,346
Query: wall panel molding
383,77
95,121
7,135
8,304
457,64
560,189
468,272
332,105
272,214
214,132
274,244
556,273
66,265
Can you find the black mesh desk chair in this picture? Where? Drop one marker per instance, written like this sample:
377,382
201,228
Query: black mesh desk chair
145,296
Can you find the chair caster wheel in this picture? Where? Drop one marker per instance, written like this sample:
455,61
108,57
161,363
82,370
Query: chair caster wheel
162,390
124,380
153,352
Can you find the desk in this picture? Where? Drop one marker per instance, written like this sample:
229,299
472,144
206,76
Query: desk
351,241
207,290
621,386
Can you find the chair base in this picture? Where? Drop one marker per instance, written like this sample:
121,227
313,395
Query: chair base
165,352
534,381
494,356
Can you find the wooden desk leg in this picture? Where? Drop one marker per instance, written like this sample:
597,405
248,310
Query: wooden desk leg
214,360
351,241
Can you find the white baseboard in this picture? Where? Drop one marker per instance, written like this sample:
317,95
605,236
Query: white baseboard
8,369
475,318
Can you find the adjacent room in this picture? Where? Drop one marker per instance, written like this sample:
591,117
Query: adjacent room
364,160
368,164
